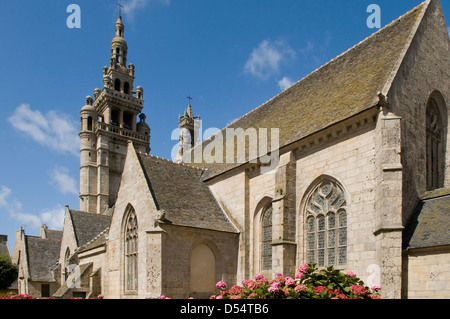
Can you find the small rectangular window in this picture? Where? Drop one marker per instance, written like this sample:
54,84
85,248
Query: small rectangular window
45,290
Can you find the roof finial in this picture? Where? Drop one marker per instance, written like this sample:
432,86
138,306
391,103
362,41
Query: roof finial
119,4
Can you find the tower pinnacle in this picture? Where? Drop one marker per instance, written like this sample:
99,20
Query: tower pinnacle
189,126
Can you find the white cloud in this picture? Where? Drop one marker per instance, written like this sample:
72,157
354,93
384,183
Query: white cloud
61,179
265,60
131,6
54,130
54,218
306,51
4,193
316,52
284,83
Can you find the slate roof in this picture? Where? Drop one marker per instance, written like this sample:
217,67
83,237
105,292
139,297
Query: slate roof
429,226
97,241
342,88
178,190
43,254
53,234
88,225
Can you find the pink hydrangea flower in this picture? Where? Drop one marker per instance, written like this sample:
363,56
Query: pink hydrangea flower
251,284
289,281
319,289
235,290
300,288
299,275
375,287
351,274
278,274
358,290
259,276
221,284
280,279
275,287
303,268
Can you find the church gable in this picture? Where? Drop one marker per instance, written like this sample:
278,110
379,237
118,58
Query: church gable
133,192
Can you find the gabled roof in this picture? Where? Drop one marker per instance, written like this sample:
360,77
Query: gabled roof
178,190
54,234
429,226
342,88
87,225
43,255
97,241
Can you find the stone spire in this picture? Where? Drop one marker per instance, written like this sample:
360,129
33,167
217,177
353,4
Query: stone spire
119,46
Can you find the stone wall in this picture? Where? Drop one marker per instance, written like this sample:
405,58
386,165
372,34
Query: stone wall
348,158
178,245
427,274
351,162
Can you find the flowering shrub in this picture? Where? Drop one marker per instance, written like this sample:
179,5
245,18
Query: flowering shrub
15,296
309,283
26,296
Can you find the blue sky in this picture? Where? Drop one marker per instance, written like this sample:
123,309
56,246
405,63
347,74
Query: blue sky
229,55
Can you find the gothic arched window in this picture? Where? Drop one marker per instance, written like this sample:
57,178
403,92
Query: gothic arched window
266,236
326,225
131,252
434,154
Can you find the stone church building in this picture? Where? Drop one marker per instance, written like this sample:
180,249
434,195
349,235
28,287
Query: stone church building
358,179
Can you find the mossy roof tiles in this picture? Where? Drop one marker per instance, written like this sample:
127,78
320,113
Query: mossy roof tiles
179,191
342,88
429,226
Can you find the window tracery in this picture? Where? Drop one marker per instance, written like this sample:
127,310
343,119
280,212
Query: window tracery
326,225
434,154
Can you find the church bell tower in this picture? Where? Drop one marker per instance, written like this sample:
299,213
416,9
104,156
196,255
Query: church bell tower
108,122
